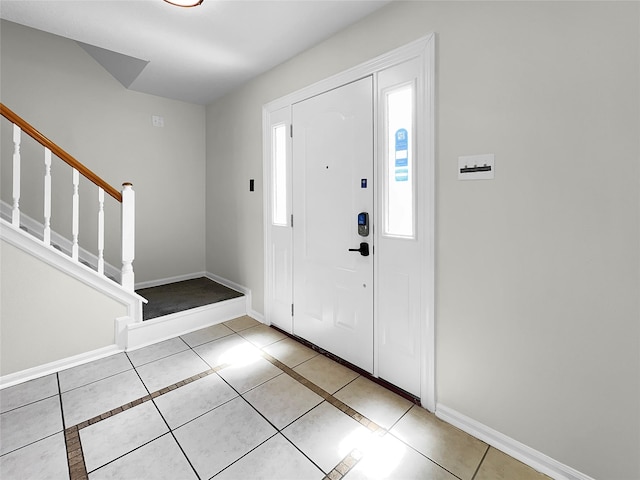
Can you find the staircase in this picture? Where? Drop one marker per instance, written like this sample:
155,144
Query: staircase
61,304
126,197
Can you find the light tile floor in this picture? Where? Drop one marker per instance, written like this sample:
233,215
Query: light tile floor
232,401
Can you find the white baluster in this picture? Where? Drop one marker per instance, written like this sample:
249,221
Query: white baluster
47,197
128,235
100,231
15,214
76,214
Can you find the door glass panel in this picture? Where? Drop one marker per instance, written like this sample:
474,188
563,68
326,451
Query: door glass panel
279,175
399,201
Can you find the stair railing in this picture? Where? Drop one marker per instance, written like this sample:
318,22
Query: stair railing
126,198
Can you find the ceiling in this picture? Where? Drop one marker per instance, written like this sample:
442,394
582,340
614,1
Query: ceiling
191,54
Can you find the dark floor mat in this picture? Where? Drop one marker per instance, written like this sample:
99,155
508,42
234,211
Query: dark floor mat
179,296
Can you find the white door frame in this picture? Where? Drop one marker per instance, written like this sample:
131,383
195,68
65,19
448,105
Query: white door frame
424,49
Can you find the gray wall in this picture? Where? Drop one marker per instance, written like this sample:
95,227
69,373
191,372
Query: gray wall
32,290
537,271
56,86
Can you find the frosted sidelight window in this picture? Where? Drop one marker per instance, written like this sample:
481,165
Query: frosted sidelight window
279,174
399,175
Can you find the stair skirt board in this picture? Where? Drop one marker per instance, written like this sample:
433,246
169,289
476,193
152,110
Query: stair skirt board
35,228
169,326
141,334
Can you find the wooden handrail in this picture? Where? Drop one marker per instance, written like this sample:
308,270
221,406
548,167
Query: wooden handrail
59,152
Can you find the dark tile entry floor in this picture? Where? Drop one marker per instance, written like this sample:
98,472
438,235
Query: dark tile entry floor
179,296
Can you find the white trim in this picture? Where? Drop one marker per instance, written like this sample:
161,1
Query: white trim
216,278
58,365
257,316
163,328
410,50
266,206
132,335
31,245
239,288
428,381
164,281
121,332
423,48
36,229
227,283
527,455
284,234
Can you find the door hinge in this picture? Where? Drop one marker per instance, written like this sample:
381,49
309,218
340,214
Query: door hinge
292,309
292,220
291,130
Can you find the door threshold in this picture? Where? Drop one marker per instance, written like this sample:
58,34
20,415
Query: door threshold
383,383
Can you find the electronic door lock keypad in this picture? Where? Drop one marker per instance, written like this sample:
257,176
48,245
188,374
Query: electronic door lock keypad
363,224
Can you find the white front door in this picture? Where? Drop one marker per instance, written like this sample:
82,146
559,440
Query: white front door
377,312
333,184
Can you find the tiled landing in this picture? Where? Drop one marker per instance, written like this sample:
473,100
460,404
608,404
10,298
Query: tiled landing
233,401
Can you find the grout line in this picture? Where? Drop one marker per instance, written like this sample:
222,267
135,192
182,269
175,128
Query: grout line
248,452
146,398
75,456
98,379
172,433
77,467
343,407
321,351
348,462
481,461
157,394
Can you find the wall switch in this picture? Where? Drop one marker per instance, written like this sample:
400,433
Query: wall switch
476,167
157,121
251,185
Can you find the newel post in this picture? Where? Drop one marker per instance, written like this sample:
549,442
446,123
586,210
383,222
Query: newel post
128,235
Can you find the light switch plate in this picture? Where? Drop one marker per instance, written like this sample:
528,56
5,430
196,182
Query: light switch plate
476,167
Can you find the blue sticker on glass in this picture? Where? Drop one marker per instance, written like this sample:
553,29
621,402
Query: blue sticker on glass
402,174
363,183
402,155
402,139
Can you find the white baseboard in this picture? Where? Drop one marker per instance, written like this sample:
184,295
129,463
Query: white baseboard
256,316
58,365
131,334
527,455
157,330
211,276
239,288
164,281
227,283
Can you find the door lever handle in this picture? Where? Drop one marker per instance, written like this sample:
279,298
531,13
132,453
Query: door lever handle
364,249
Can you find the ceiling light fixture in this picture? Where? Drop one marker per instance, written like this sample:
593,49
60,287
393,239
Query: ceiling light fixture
185,3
